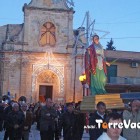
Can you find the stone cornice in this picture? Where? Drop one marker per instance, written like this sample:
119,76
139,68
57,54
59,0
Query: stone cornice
46,9
15,43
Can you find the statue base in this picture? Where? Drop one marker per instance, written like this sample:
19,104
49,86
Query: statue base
112,101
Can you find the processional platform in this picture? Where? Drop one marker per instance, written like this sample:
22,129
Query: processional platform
112,101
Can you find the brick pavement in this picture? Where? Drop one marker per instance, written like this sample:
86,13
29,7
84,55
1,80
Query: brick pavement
35,135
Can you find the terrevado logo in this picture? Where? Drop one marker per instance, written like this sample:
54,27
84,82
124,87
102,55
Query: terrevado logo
125,124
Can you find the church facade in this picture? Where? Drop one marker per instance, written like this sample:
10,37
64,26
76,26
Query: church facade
36,57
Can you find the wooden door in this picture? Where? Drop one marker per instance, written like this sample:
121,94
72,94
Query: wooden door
45,91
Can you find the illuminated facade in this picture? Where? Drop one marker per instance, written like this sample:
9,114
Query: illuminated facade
37,58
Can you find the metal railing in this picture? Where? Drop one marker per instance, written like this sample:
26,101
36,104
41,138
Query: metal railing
124,80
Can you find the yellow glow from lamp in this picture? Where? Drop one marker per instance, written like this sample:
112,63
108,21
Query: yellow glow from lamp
82,78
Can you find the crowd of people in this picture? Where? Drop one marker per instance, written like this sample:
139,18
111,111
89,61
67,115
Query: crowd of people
55,121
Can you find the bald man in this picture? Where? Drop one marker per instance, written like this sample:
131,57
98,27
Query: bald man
133,116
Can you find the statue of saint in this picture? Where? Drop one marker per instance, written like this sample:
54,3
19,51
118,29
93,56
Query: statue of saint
95,67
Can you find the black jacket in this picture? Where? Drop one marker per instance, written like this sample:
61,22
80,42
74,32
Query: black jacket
1,117
95,132
69,123
47,122
15,118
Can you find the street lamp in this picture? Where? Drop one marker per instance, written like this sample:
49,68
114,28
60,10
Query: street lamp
82,79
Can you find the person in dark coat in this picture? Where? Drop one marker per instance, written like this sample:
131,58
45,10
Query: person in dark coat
7,110
28,121
58,127
99,114
69,124
37,110
81,119
15,121
48,117
1,115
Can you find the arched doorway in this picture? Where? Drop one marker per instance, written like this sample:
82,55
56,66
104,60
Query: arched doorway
48,85
48,75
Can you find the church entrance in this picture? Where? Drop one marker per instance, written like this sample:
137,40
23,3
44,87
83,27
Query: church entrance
45,91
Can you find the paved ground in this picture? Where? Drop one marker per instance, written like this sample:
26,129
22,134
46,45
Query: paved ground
35,135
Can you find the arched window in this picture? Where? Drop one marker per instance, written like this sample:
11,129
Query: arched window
47,34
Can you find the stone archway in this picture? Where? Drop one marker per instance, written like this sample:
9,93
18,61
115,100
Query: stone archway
47,85
43,75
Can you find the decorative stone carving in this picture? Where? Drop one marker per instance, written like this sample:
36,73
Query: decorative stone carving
38,69
47,77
